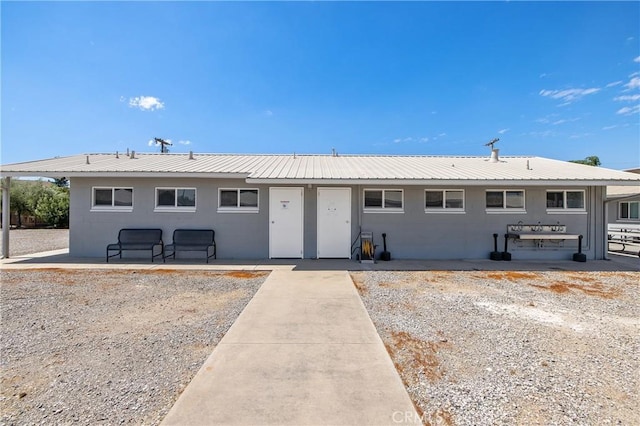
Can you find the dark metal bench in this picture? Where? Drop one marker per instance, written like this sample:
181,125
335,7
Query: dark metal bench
192,240
137,239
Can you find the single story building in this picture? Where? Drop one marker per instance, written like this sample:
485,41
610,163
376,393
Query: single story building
624,203
316,206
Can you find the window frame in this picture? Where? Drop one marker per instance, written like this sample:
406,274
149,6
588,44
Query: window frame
565,209
112,207
238,208
504,209
175,206
382,209
444,208
620,203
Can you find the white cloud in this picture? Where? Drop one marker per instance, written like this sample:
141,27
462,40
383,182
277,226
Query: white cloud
610,127
579,135
615,83
636,59
187,142
442,135
411,139
268,113
146,103
628,98
543,134
634,83
569,95
564,120
629,110
503,131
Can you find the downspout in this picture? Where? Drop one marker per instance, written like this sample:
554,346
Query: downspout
6,216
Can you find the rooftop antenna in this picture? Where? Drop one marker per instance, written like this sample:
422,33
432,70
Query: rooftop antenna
494,151
491,143
163,145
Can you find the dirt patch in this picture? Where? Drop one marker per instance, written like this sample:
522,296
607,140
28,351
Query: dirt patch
244,274
596,289
509,275
416,355
358,283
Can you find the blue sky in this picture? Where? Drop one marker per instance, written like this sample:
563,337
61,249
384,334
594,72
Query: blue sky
553,79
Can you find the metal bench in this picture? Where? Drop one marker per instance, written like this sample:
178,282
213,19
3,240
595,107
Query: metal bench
192,240
137,239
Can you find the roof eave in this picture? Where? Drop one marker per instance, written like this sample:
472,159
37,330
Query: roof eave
442,182
114,174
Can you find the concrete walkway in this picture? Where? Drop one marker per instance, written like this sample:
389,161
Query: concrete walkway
303,352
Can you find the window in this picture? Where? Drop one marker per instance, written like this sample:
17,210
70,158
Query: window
383,200
109,198
238,200
176,199
505,200
447,200
565,201
629,210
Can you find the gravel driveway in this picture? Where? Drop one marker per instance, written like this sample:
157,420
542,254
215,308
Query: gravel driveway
503,348
109,347
27,241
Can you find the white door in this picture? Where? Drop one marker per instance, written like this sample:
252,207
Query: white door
334,222
285,222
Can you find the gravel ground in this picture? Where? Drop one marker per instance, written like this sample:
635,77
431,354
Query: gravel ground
473,348
502,348
109,347
27,241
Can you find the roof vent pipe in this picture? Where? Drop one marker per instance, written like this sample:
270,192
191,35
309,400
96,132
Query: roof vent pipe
133,154
87,159
127,152
494,155
191,155
117,156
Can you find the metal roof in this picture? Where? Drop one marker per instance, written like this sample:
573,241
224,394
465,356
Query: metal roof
327,169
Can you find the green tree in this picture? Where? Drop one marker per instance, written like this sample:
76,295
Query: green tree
41,199
53,207
589,161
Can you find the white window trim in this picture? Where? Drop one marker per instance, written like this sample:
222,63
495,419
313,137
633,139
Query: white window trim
227,209
175,207
565,209
444,209
629,209
506,210
111,208
382,209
